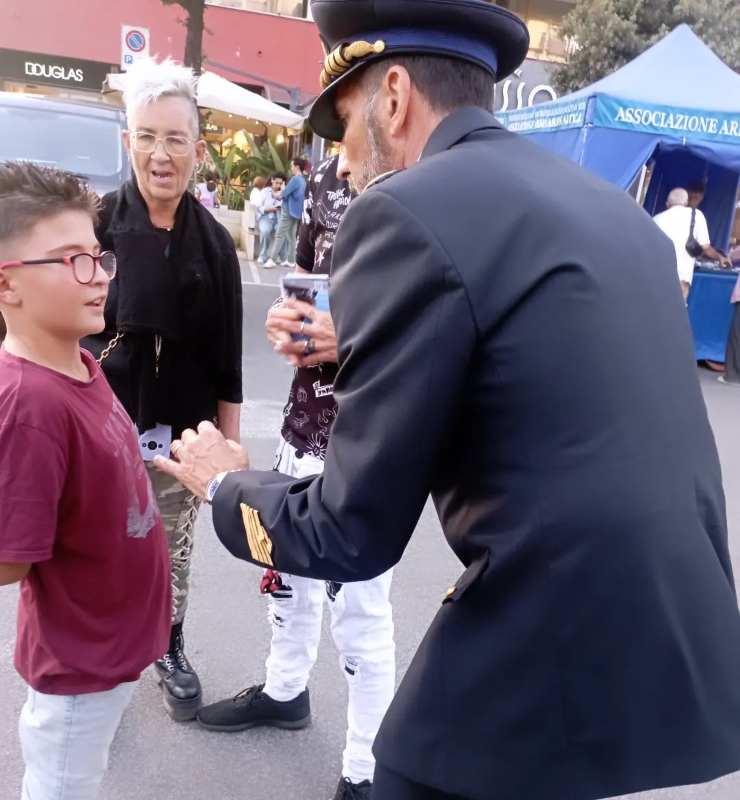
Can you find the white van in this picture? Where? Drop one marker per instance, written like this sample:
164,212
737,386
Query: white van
82,138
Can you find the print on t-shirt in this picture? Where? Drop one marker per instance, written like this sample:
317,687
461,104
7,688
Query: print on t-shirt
117,431
311,407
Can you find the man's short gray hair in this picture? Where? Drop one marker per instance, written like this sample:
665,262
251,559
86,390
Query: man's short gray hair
148,80
678,197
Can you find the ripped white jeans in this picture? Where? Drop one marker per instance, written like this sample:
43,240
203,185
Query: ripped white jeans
362,628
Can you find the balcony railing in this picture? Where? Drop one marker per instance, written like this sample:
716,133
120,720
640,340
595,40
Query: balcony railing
546,42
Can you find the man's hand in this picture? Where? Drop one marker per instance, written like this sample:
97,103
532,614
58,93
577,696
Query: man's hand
295,316
198,457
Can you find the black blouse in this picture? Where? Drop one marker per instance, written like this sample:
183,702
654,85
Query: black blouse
177,299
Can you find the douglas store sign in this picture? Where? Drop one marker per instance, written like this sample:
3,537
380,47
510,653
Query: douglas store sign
73,73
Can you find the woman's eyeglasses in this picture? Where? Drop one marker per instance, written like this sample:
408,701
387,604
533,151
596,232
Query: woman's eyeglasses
83,264
144,142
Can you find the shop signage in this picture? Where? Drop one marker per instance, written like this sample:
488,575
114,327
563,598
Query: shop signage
528,86
52,70
546,118
679,122
134,44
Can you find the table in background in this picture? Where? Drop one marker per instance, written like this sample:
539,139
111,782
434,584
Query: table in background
710,312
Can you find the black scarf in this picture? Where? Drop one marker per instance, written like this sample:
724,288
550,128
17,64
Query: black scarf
162,289
171,286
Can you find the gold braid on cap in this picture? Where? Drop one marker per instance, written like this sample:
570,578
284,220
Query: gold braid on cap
340,59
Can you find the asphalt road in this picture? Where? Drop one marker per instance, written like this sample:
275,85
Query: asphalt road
228,635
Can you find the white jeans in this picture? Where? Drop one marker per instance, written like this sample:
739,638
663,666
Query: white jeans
66,740
362,627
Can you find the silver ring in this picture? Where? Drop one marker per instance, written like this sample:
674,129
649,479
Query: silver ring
303,325
310,348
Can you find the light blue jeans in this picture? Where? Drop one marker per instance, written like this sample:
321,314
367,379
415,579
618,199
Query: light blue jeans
267,224
284,246
66,740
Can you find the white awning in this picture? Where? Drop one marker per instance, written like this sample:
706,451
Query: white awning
223,95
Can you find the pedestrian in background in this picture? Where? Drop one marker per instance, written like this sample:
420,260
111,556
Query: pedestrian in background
79,527
207,192
284,247
732,359
257,188
678,222
697,191
173,337
268,210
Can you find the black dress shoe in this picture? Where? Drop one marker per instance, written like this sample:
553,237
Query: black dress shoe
252,708
353,791
181,688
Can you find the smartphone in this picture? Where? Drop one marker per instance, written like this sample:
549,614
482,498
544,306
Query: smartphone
313,289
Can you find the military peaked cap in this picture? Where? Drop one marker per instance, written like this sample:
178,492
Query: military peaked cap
357,32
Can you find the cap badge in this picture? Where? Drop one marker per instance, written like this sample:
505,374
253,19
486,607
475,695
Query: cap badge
340,59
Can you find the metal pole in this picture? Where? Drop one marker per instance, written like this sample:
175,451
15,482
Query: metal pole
641,185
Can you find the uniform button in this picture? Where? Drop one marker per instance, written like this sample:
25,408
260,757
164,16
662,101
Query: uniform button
451,591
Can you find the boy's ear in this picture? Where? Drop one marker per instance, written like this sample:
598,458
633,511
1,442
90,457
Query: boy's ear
8,294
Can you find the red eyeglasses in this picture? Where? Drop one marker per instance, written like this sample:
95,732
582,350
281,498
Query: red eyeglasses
83,264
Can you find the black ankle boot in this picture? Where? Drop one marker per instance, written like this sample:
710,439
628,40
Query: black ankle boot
180,684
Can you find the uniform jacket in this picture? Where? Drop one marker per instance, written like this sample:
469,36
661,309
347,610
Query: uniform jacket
513,340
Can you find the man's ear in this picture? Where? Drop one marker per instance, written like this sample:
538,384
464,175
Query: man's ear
396,89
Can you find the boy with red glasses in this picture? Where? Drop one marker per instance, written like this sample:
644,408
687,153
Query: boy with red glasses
78,524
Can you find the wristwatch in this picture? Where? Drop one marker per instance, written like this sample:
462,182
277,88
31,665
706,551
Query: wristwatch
213,485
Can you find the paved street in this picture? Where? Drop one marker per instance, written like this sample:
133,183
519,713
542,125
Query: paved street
228,635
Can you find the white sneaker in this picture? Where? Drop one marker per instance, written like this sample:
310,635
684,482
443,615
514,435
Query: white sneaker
289,264
269,264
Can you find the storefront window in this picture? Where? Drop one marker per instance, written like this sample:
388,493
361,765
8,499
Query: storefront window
287,8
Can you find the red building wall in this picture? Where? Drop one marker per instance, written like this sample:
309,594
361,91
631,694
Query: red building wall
282,49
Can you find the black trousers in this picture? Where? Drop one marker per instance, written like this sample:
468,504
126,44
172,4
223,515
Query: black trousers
732,360
389,785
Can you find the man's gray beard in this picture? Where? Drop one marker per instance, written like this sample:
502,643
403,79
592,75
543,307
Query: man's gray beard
379,160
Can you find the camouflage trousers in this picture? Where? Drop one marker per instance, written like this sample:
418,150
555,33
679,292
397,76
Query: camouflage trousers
179,510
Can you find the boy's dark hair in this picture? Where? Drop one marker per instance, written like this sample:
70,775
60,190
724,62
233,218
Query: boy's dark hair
300,163
446,83
280,175
30,193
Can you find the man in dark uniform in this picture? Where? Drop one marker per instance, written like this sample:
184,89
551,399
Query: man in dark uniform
361,613
495,352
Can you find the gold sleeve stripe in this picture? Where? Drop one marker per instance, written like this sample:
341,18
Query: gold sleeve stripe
340,59
258,540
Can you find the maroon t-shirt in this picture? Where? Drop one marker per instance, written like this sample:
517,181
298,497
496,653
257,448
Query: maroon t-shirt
77,503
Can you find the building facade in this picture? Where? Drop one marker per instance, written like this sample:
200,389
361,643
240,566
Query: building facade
268,46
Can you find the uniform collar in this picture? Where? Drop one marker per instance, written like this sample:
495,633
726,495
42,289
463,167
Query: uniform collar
457,126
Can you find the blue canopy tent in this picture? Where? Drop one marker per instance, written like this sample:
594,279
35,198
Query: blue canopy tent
676,107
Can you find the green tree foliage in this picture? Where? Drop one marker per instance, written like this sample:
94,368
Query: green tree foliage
609,33
237,169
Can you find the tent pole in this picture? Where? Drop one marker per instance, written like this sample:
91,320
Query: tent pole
641,186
